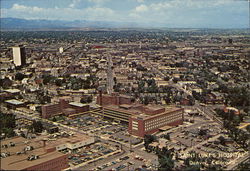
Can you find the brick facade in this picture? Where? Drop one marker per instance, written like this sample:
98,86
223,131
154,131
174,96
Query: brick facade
113,99
63,107
142,126
54,164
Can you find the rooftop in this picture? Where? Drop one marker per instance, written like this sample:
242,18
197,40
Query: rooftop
12,90
20,162
77,104
136,110
14,102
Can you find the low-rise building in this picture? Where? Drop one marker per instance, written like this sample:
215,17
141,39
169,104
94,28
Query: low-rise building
13,103
22,155
63,107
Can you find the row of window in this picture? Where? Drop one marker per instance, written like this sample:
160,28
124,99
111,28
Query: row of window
162,119
57,163
150,127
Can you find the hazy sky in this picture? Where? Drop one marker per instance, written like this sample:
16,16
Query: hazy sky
154,13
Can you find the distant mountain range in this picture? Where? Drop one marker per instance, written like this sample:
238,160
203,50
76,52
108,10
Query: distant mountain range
23,24
17,24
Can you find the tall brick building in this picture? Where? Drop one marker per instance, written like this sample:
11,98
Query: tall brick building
141,119
114,99
63,107
153,120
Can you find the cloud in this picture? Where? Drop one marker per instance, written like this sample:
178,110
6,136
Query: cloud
188,13
28,12
167,13
99,13
74,3
18,7
141,8
98,1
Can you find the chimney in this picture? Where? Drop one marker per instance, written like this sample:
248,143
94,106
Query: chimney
225,108
44,143
100,96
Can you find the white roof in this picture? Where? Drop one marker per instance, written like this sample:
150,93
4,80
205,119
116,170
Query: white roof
15,102
12,90
77,104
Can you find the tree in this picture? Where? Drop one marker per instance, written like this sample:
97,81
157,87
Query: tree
87,99
54,119
166,163
148,139
37,126
222,140
165,158
175,80
146,100
202,132
9,132
192,168
166,78
19,76
7,120
166,136
58,82
244,166
5,83
248,128
115,80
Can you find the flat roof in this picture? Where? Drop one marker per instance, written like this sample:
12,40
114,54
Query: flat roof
164,128
126,106
14,101
167,110
12,90
77,104
20,162
128,111
154,107
135,113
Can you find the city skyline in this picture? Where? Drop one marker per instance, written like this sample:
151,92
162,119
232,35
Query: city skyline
141,13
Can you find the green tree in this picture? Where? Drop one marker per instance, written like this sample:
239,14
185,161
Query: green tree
166,78
222,140
19,76
9,132
248,128
148,139
165,158
146,100
166,136
244,166
58,82
7,120
37,126
175,80
54,119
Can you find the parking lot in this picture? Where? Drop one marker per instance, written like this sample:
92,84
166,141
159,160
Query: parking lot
104,128
91,153
128,162
85,122
116,132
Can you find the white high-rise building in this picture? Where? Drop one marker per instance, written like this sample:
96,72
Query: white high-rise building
61,50
19,55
